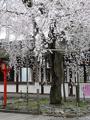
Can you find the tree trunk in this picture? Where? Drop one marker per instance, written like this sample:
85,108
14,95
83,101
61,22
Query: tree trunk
57,77
17,77
85,74
64,93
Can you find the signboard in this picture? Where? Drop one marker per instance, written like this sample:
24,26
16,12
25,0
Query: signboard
86,90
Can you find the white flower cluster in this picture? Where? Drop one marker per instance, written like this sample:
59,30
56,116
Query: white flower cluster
27,24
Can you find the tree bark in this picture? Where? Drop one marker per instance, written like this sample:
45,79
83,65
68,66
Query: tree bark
64,92
85,74
17,77
57,78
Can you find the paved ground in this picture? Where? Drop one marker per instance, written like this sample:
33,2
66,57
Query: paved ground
12,116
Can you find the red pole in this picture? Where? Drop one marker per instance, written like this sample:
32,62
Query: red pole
5,84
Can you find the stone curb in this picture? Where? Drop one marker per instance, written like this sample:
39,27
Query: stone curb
64,115
18,111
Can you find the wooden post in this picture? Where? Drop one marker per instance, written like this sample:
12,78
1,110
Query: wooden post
77,88
38,103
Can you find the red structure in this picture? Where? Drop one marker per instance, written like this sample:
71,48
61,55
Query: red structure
4,69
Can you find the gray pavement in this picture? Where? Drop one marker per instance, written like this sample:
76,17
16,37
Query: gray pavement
13,116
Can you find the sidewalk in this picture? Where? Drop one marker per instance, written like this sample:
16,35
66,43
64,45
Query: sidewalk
13,116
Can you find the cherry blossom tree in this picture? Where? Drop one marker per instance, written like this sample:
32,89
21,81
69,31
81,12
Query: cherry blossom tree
57,27
15,24
64,26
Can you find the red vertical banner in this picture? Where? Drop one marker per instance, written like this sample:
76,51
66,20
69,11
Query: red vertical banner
4,68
